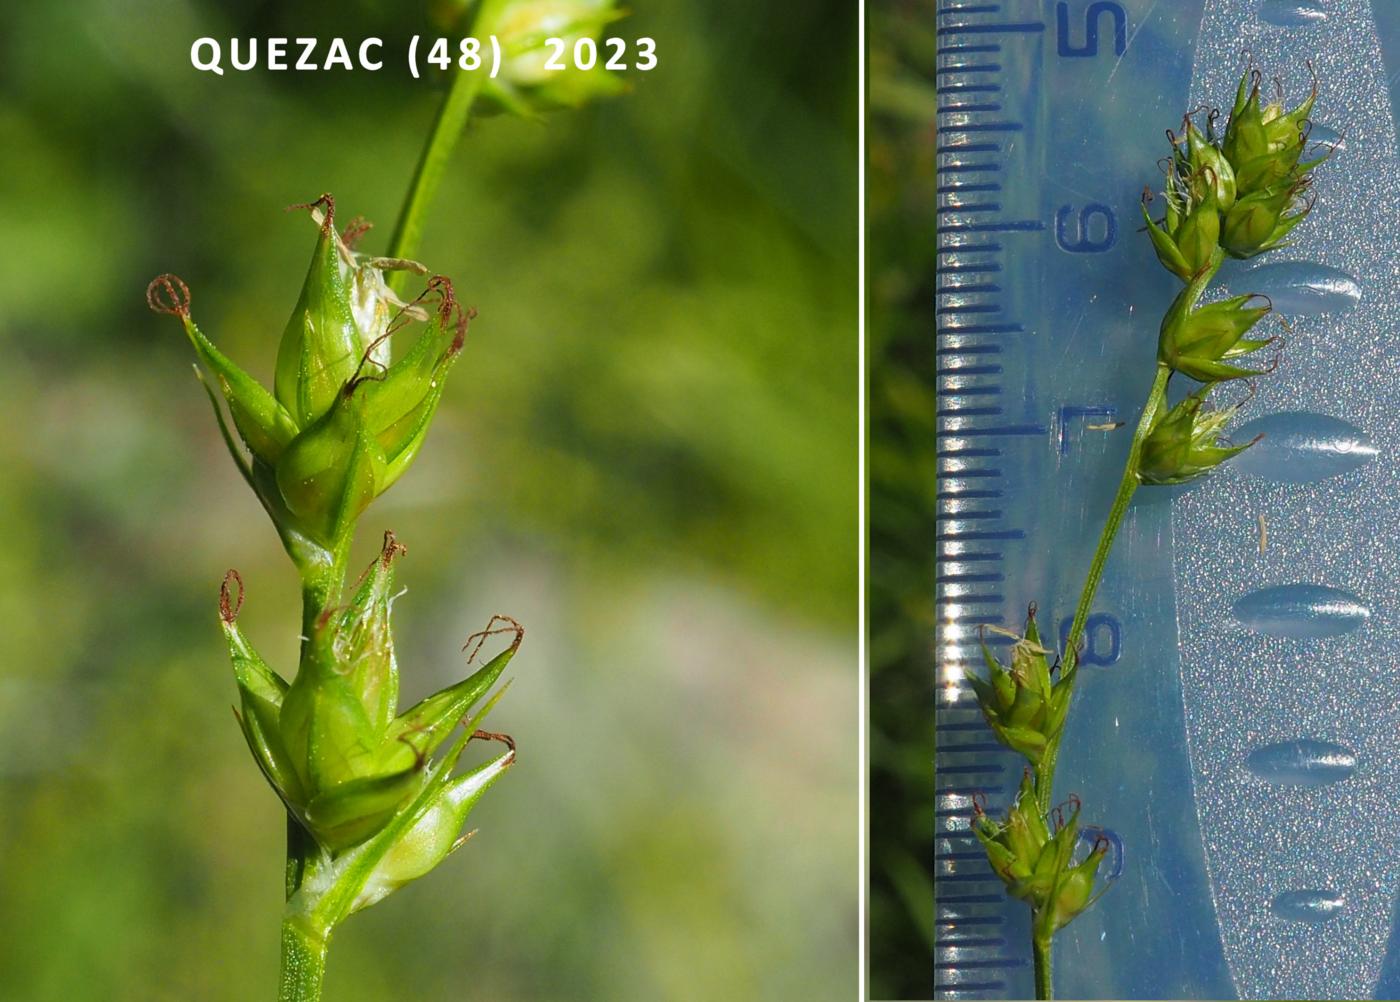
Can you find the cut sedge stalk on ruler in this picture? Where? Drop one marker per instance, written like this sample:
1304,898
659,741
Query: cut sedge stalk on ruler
1238,193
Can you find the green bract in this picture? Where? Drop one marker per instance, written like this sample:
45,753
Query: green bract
1259,221
1265,143
1187,237
1184,441
344,420
1022,705
1037,864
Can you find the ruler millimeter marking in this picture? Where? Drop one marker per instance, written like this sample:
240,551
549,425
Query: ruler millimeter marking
981,947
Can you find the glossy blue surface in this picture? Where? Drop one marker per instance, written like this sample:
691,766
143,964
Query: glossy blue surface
1302,763
1301,611
1298,447
1291,13
1310,906
1301,288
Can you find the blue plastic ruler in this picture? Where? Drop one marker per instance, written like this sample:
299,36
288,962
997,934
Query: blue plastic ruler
1238,721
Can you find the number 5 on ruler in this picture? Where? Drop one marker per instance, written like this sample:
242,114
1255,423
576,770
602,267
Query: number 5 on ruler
1091,30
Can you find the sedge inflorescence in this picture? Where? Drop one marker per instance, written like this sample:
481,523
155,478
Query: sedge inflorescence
374,796
343,421
374,792
1025,706
1237,192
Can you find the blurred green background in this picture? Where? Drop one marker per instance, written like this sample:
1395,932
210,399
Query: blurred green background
902,422
647,454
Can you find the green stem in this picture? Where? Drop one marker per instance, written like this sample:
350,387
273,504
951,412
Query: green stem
320,590
303,962
1042,943
1044,983
1185,302
1126,487
1045,771
437,151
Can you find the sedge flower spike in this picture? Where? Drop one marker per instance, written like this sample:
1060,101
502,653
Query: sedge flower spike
1238,192
332,743
1185,441
1265,144
1035,860
377,790
1022,705
344,421
1244,191
1202,341
375,797
527,83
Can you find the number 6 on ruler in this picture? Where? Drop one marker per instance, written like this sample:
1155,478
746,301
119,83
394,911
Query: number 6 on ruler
1081,242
